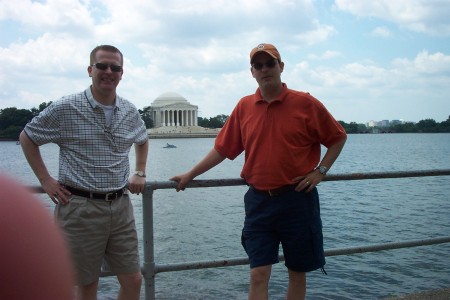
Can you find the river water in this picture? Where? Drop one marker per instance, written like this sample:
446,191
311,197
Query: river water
205,223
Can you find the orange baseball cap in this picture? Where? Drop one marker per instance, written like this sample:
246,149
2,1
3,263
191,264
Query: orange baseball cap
268,48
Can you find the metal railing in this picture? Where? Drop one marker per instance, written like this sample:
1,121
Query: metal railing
150,268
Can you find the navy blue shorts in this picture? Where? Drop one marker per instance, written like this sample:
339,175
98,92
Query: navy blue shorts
292,219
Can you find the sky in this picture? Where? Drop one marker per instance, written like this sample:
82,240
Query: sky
364,60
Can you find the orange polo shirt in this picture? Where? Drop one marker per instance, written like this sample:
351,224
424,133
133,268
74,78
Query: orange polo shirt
281,139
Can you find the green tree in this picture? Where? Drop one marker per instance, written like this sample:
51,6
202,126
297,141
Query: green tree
407,127
146,116
427,125
444,126
203,122
41,107
353,127
217,121
12,121
214,122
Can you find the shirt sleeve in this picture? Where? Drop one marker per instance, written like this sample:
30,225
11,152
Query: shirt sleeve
45,128
229,140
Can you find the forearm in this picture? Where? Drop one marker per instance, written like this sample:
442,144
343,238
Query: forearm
333,153
212,159
141,156
34,157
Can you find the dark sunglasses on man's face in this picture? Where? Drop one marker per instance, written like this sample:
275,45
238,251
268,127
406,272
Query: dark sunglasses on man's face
104,67
269,64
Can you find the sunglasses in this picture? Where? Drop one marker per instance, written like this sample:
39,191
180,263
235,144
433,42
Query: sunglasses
269,64
104,67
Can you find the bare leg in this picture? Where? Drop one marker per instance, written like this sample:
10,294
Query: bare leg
297,286
259,283
130,286
87,292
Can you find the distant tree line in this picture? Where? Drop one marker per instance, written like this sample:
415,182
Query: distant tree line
13,120
214,122
423,126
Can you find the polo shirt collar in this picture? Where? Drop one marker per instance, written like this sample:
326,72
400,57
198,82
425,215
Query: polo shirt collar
94,103
259,98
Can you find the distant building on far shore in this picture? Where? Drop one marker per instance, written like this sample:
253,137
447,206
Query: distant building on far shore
173,110
174,117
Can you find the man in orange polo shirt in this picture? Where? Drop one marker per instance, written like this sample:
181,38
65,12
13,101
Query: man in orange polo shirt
281,131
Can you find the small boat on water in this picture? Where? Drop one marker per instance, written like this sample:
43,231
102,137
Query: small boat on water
169,146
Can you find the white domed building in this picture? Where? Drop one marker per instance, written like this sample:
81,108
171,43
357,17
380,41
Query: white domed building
174,117
173,110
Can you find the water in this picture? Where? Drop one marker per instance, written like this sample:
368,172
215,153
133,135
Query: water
206,223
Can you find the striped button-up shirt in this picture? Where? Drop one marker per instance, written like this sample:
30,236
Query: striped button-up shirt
92,156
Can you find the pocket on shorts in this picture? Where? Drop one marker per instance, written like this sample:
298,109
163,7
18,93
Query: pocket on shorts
71,211
243,239
317,244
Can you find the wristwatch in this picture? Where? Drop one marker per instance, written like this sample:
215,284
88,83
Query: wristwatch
140,173
322,169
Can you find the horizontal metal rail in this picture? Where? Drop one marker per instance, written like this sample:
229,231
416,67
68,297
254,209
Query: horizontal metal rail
150,268
155,185
332,252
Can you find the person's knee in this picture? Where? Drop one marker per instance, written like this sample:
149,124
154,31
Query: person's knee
131,281
297,277
88,291
260,275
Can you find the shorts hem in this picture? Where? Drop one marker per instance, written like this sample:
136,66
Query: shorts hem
305,270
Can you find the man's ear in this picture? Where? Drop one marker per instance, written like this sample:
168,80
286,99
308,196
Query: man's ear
89,69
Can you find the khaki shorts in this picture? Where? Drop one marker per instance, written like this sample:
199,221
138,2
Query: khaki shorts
96,230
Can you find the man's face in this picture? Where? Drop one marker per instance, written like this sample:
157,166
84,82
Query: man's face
266,70
106,71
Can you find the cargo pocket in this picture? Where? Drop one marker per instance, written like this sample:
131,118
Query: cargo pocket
243,239
317,247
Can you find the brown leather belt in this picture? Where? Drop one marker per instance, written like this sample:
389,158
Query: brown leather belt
109,196
277,191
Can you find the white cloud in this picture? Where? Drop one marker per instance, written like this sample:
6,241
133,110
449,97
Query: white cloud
324,56
200,49
426,16
437,64
382,31
363,89
318,34
53,15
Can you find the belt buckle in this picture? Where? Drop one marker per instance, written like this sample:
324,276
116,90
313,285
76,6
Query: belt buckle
110,194
271,194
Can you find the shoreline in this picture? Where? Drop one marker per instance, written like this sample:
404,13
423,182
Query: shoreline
441,294
182,132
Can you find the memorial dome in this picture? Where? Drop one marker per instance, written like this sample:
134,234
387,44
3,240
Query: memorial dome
168,99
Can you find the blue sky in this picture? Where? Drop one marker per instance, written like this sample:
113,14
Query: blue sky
365,60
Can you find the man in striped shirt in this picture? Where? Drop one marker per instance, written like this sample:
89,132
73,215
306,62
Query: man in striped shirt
94,130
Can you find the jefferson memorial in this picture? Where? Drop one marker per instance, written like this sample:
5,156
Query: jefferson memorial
174,117
171,109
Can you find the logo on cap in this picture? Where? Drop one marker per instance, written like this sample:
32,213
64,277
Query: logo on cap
268,48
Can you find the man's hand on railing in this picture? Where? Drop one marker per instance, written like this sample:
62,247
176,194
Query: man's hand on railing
182,180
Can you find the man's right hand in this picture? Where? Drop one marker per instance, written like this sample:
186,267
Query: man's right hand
182,180
58,193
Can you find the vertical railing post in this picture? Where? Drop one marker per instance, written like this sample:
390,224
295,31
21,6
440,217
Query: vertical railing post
149,254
